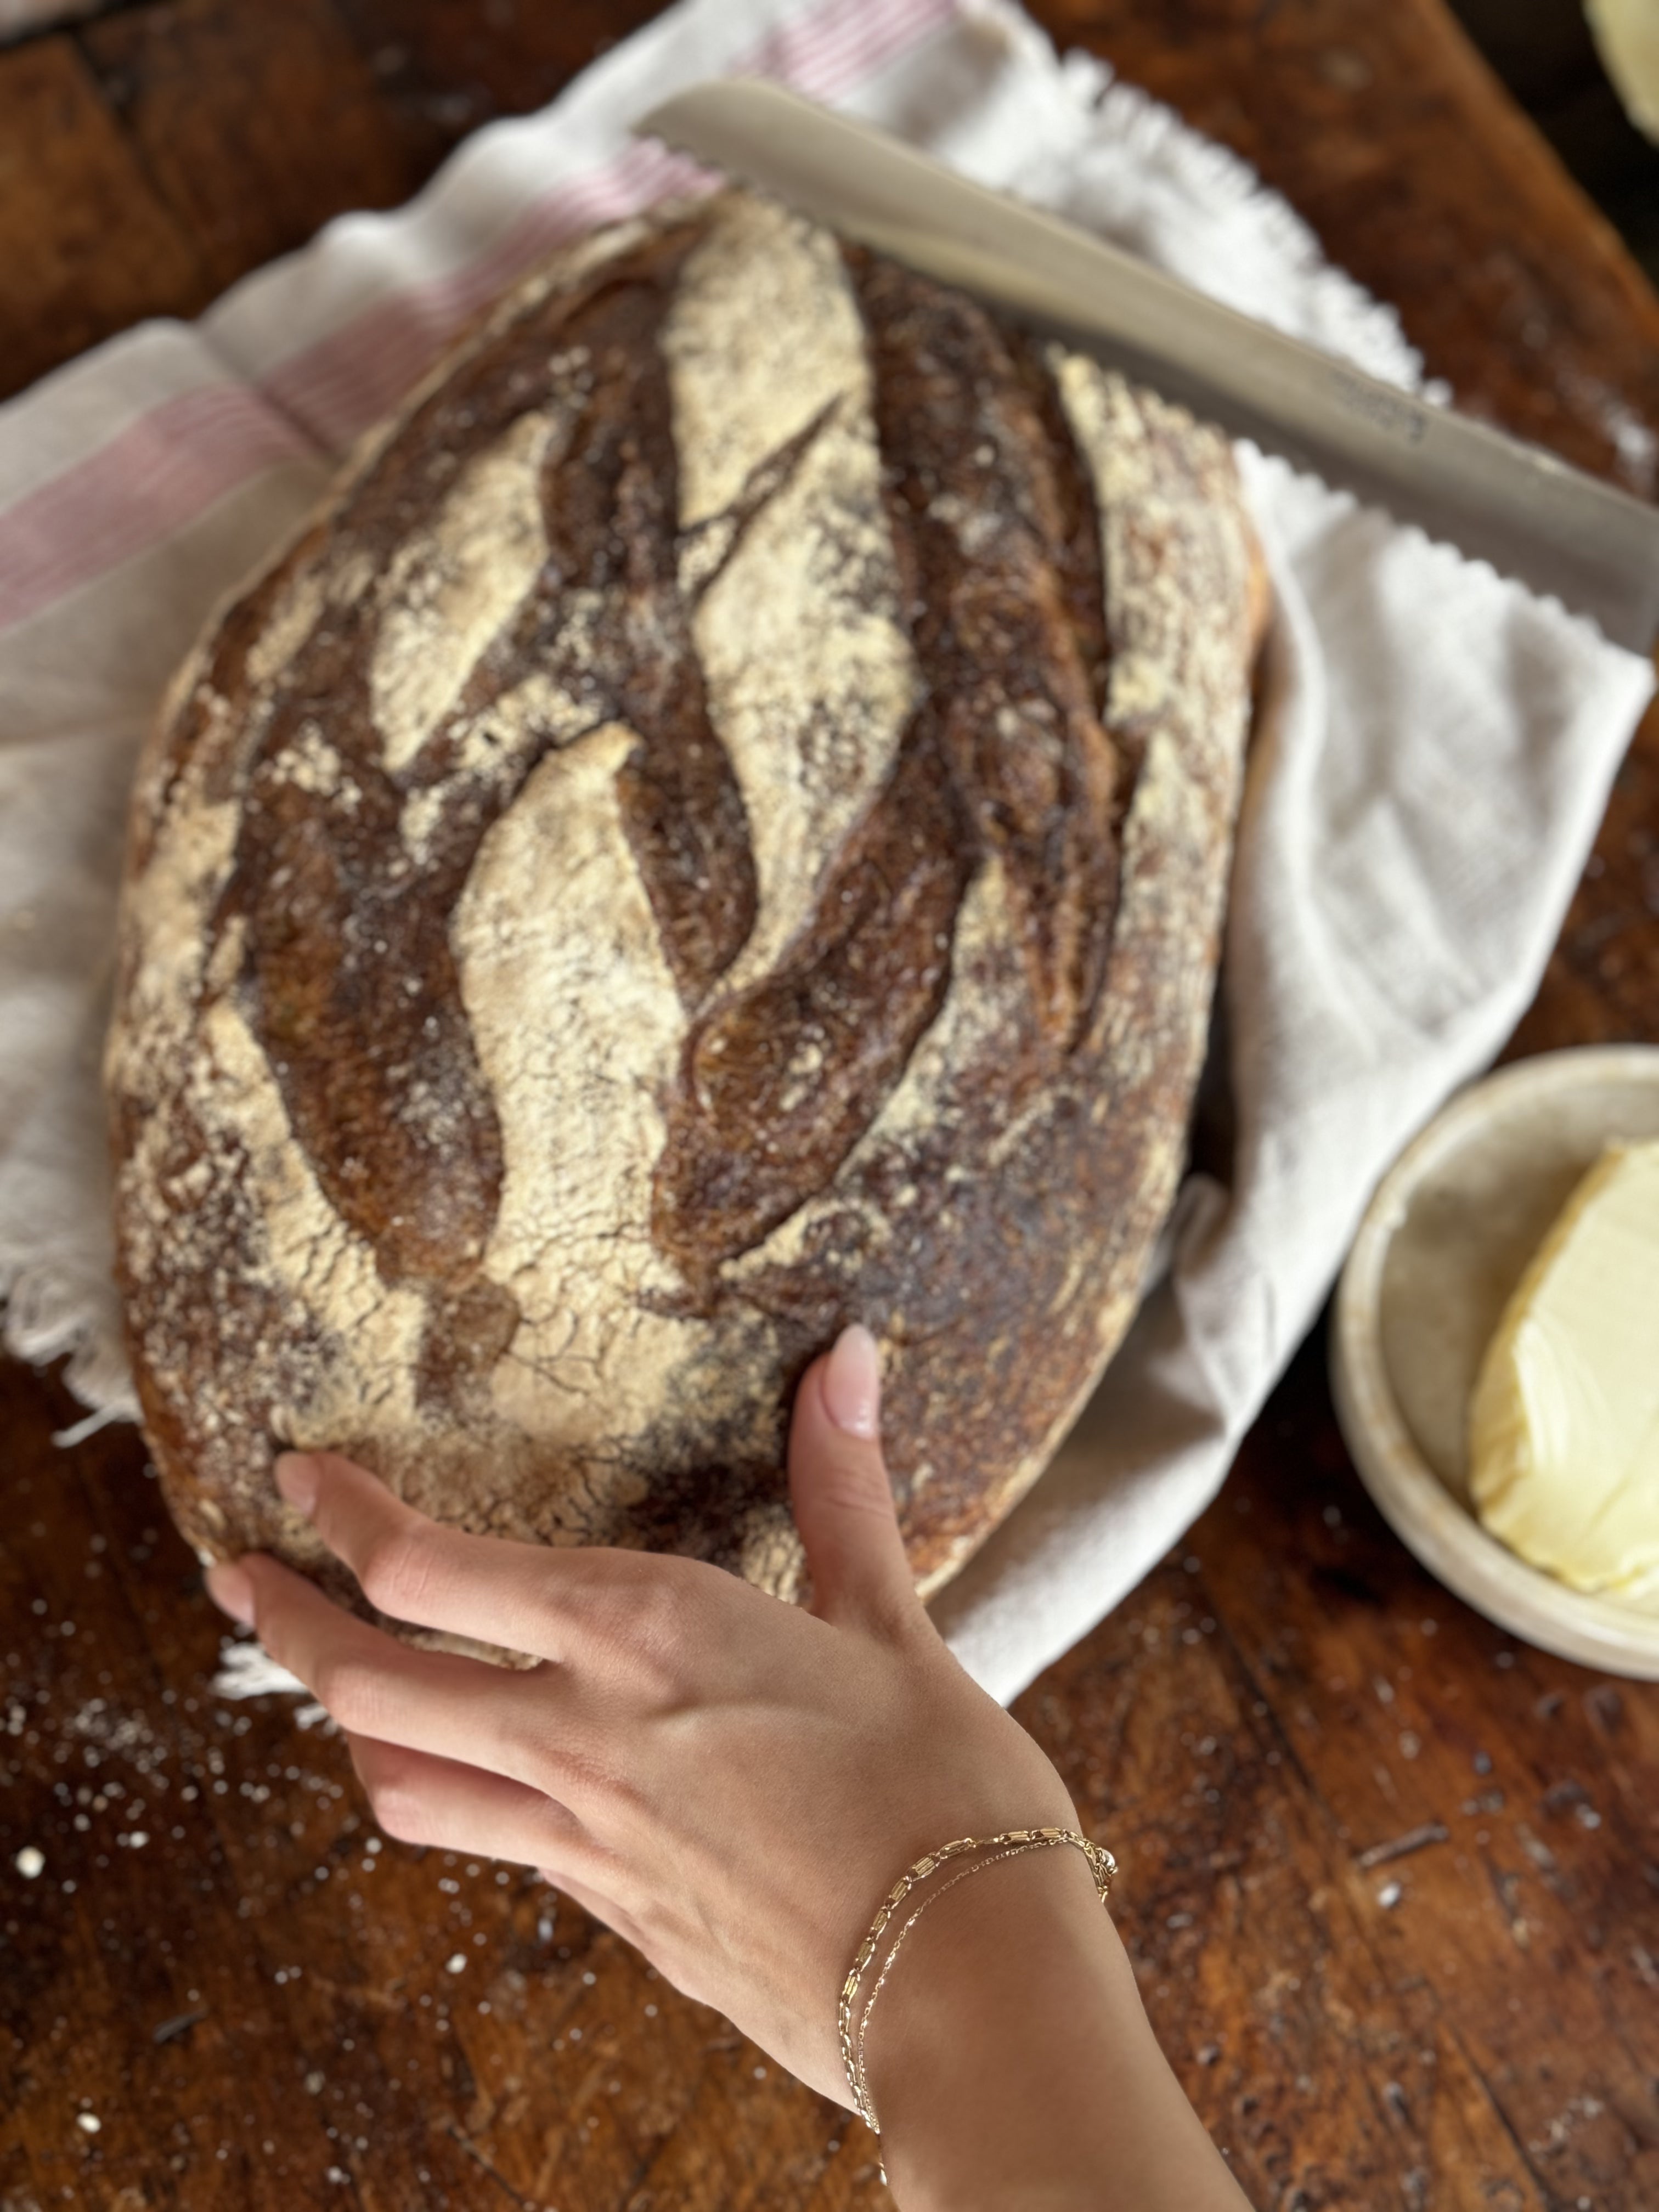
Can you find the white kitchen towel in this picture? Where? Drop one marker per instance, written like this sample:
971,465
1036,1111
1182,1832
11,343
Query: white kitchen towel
1433,757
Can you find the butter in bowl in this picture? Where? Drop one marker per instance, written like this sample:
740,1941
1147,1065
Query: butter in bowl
1495,1354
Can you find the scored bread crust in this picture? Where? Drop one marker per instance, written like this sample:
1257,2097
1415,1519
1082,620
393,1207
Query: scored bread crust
719,827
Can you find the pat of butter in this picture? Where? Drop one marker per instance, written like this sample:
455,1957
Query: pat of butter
1563,1428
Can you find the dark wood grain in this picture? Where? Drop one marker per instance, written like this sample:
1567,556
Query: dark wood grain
295,130
257,2007
1602,983
1546,55
86,245
445,66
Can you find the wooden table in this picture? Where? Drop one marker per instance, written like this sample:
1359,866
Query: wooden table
1391,1882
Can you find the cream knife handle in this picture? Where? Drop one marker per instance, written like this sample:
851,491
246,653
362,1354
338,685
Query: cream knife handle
1563,533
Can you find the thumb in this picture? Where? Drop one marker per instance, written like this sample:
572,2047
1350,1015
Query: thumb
838,1486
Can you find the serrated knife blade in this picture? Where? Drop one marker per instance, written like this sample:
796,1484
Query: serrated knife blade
1497,498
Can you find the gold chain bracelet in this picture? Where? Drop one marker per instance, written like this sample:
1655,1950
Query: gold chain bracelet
1102,1865
861,2037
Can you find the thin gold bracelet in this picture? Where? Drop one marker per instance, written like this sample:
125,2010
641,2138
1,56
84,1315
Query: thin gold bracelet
861,2038
1102,1865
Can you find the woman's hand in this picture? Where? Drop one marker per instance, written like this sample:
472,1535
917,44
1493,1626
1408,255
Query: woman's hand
730,1783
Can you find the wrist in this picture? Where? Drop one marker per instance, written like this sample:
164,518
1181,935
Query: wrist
969,2024
1010,2060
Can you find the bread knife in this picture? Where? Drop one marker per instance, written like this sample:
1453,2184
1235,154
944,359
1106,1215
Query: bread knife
1497,498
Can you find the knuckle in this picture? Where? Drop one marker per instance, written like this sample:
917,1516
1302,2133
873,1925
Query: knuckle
656,1633
397,1572
571,1768
606,1794
518,1741
534,1747
614,1785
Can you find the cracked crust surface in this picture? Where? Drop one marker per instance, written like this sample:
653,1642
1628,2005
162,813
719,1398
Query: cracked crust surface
719,829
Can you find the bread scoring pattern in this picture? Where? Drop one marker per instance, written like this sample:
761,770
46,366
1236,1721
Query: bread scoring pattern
719,829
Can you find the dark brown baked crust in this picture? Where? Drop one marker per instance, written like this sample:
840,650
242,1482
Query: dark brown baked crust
833,914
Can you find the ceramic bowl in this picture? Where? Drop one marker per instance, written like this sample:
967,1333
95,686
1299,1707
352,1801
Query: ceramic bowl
1443,1244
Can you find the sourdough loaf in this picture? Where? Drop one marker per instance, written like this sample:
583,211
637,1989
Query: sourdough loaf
719,829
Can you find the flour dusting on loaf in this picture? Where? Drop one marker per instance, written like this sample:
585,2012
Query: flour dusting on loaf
719,829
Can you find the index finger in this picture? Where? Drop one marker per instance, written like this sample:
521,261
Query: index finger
545,1600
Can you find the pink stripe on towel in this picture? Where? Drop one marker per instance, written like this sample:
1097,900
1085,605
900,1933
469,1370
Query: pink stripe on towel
171,464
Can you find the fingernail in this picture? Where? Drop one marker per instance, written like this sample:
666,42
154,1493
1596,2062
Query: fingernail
231,1591
852,1382
296,1478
